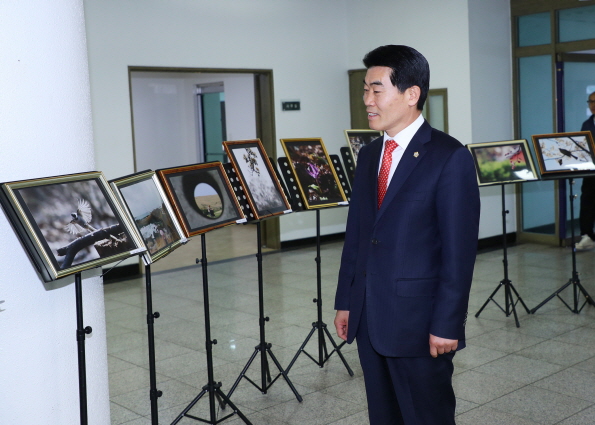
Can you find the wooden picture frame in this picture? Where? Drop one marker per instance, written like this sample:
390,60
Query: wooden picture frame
565,154
314,173
70,223
143,197
503,162
262,187
357,139
201,196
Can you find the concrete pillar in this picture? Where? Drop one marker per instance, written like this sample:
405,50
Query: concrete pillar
45,130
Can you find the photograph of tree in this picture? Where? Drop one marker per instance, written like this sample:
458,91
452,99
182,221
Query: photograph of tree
258,177
315,175
201,196
154,218
564,152
357,139
502,162
69,223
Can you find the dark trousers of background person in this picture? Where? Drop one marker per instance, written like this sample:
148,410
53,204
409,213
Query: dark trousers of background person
587,213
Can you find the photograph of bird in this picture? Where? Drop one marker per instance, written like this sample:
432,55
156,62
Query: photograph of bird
80,219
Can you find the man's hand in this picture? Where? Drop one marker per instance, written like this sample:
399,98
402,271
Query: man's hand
437,345
341,321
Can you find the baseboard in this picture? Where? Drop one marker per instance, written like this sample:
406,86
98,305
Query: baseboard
119,273
133,270
300,243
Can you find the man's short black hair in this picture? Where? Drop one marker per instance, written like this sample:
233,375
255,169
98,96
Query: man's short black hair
409,68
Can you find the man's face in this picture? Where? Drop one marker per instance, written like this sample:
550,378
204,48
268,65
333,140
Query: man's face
592,103
388,109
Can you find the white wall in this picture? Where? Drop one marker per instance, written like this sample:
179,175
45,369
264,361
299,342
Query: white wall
164,109
491,96
303,42
309,46
45,130
468,46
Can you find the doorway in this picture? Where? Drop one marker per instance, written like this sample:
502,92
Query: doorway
180,116
210,116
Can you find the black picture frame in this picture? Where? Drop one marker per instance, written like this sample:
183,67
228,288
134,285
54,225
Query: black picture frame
143,197
503,162
262,187
201,196
69,223
314,173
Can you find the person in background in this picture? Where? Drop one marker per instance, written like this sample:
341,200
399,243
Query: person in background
587,213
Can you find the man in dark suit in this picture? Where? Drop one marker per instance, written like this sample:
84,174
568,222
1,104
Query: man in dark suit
587,214
410,247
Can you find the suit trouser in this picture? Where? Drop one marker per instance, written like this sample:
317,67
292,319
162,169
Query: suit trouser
406,390
587,212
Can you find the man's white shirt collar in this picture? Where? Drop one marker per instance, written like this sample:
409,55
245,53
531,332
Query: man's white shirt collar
404,136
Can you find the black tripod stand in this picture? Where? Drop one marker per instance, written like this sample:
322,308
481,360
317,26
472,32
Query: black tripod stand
574,279
212,388
509,303
319,325
263,348
154,394
80,341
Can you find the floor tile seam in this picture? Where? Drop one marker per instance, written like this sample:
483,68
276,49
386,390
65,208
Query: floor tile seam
474,369
542,389
574,414
557,392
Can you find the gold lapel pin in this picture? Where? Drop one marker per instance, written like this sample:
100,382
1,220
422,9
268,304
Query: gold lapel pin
416,154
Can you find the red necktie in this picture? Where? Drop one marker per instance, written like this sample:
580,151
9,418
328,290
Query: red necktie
387,159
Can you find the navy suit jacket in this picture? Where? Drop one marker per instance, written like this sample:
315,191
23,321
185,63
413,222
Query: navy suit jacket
411,261
589,126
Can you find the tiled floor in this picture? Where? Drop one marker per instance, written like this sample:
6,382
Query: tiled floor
540,373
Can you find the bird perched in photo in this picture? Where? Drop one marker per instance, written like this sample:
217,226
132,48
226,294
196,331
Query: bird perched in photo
80,219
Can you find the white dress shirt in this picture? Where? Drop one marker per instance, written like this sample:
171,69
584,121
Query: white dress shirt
402,138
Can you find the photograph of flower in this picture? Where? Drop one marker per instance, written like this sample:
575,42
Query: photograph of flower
145,200
257,175
72,222
316,177
357,139
502,162
564,153
201,196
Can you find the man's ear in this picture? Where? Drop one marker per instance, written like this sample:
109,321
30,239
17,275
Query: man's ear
413,93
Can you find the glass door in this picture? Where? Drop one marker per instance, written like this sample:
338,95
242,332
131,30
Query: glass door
577,77
211,121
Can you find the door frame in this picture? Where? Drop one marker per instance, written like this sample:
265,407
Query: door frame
265,122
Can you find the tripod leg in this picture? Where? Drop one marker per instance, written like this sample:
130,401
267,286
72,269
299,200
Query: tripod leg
301,349
544,302
338,350
190,406
242,374
226,400
520,299
512,306
284,374
488,300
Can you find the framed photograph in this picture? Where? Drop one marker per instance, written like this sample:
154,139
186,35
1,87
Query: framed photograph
559,154
502,162
70,223
201,196
143,197
313,172
357,139
264,191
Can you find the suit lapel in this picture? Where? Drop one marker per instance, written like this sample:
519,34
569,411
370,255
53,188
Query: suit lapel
411,158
